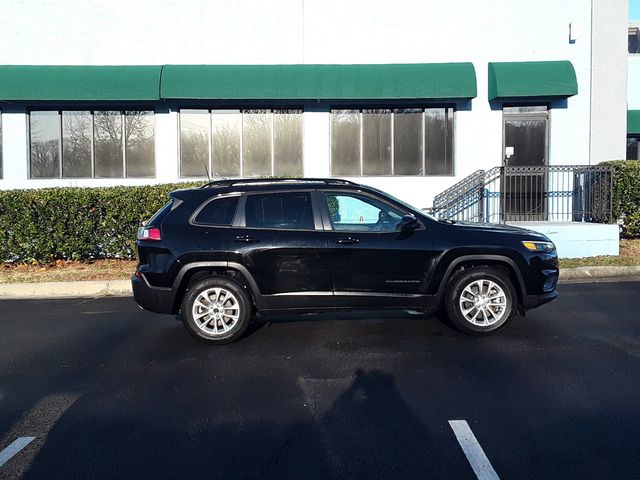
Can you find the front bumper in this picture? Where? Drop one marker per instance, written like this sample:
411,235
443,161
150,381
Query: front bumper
533,301
154,299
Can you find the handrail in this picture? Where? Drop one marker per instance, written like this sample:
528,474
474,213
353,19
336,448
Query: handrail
530,193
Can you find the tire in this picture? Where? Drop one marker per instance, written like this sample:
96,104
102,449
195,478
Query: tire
480,300
224,318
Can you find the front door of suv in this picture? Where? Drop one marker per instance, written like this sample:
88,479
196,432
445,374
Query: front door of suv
279,239
372,262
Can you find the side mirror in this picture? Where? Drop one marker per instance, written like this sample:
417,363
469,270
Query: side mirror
408,224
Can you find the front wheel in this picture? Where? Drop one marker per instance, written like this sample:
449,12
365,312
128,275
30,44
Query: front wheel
216,310
480,300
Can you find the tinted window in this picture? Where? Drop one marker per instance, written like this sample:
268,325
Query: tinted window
218,212
107,134
45,144
280,210
351,213
409,141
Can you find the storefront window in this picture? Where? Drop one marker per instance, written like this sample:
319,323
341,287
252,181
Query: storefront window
234,143
85,144
392,142
633,148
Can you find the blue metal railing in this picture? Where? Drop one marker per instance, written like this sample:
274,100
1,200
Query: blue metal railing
559,193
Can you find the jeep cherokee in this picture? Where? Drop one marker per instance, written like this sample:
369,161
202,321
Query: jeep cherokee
219,254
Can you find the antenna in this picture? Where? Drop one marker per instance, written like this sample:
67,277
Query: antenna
207,172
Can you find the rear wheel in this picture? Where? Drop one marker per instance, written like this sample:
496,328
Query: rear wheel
480,300
216,310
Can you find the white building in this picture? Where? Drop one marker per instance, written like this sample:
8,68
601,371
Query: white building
633,94
410,96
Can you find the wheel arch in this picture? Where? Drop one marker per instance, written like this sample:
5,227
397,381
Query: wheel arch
468,261
191,273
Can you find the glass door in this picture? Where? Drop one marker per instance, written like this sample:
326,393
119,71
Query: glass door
524,186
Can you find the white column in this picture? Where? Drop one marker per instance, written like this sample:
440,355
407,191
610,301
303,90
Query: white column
167,165
317,144
15,153
608,80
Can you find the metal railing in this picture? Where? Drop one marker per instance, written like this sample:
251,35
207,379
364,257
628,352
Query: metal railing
559,193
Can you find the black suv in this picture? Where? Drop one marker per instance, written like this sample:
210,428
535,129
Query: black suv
219,254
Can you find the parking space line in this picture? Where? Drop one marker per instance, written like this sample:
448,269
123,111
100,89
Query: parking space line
15,447
473,451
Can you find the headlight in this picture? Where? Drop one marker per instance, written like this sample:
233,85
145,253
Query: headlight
543,247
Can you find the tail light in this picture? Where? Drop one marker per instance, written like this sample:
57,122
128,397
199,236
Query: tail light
149,233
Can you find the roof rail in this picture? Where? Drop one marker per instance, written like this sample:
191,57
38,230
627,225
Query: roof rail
249,181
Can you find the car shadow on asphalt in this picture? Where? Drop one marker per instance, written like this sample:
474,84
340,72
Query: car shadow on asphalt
367,431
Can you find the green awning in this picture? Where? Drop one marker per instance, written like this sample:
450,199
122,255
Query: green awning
319,82
633,122
518,80
69,83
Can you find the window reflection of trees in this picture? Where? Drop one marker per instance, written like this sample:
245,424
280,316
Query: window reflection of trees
81,135
251,143
391,142
45,145
345,142
227,130
108,144
194,143
287,148
256,146
139,141
76,144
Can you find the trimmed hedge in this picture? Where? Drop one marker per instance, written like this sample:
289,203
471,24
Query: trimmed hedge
626,195
42,225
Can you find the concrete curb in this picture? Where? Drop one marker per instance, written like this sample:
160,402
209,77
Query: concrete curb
122,288
595,273
101,288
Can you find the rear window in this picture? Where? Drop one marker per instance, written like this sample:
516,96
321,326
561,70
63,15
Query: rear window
219,211
159,215
280,210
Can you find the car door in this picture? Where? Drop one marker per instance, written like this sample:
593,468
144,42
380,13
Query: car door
372,262
279,239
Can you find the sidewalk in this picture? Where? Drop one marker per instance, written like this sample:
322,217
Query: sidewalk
122,288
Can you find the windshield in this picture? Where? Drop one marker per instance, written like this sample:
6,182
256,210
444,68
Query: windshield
404,204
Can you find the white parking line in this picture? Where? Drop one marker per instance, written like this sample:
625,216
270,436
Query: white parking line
473,451
15,447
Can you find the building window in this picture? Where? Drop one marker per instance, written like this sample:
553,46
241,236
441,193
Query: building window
240,143
92,144
633,148
634,40
411,141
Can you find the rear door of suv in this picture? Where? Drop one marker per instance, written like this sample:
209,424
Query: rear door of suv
278,237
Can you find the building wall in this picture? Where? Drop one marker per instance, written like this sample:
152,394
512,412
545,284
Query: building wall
83,32
608,80
633,87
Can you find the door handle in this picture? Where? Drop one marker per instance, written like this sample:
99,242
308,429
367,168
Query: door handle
245,239
347,241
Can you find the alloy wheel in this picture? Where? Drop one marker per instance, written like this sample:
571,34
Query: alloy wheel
483,302
216,311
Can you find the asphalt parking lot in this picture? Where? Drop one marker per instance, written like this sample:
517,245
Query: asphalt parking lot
96,388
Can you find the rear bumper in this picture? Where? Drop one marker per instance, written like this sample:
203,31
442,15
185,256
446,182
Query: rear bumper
154,299
533,301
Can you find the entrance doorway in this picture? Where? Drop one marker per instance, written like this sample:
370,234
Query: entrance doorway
524,185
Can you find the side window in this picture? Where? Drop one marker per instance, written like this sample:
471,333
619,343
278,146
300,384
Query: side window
360,214
218,212
280,210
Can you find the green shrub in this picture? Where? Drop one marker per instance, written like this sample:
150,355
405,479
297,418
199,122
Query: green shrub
43,225
626,195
